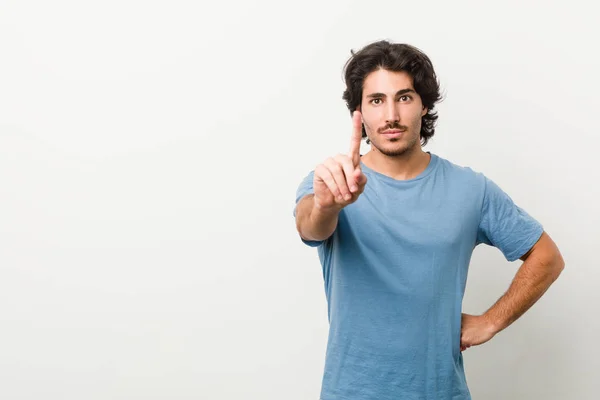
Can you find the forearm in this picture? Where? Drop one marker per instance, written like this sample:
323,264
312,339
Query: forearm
531,281
314,223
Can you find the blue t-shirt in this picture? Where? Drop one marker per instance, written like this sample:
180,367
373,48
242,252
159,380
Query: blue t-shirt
395,271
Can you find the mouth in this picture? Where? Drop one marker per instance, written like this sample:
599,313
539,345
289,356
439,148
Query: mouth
392,133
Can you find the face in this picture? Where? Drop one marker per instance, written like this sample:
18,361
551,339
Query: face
392,111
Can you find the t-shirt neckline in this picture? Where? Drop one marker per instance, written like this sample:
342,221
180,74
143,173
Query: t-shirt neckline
430,167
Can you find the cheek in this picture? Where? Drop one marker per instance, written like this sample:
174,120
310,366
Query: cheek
370,120
416,116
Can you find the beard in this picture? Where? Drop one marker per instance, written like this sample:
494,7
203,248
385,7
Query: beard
403,146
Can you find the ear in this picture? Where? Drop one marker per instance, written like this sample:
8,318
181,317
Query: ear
424,111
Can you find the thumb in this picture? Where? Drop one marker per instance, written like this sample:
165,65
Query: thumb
359,177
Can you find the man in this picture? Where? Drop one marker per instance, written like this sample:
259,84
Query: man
395,230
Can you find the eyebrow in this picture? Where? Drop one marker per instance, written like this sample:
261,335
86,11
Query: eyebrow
398,93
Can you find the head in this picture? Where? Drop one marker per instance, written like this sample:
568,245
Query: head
394,86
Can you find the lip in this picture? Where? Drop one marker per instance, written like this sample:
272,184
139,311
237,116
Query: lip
392,133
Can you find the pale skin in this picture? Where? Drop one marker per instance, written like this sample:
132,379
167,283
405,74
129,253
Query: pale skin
390,101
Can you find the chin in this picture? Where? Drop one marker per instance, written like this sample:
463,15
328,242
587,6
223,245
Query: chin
393,149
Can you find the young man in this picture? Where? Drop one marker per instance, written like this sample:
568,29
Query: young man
395,230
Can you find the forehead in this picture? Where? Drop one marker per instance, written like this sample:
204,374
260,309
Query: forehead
388,82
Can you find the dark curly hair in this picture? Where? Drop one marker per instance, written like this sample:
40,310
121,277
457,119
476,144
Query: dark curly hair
394,57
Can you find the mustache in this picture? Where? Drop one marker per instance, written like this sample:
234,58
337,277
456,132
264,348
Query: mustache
393,126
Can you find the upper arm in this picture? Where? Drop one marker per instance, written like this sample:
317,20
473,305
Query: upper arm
303,194
544,250
505,225
304,189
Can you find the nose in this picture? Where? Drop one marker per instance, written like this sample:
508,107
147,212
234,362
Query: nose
392,114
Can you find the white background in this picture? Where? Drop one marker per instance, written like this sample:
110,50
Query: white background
149,158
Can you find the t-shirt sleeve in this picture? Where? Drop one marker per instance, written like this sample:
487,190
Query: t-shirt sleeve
305,188
505,225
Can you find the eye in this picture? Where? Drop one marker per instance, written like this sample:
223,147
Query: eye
372,101
407,97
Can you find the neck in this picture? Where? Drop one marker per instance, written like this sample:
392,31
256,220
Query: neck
406,166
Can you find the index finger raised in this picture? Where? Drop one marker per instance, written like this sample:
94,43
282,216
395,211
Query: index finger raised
356,138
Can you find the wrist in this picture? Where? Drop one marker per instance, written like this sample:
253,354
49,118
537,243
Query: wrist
493,325
325,211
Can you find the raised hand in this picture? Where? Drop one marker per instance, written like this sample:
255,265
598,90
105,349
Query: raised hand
339,180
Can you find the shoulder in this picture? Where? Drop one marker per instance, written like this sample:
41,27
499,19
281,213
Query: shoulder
463,173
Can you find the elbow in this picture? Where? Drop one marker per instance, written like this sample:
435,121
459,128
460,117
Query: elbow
561,267
556,266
